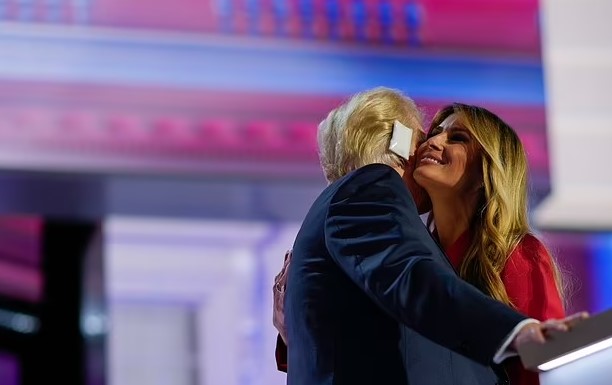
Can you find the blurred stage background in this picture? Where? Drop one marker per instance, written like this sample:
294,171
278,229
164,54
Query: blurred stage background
157,157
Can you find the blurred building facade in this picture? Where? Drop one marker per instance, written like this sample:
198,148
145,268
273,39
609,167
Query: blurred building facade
186,132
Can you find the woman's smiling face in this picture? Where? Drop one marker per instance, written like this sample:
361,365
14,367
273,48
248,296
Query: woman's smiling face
449,160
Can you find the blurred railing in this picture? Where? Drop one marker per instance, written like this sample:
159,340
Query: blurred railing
364,20
46,11
95,133
86,131
506,25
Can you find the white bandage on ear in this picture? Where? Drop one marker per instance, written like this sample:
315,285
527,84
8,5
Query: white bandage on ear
401,140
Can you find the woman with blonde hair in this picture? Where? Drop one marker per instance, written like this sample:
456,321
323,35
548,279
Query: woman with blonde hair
474,169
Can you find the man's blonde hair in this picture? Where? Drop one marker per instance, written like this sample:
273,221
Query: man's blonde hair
358,132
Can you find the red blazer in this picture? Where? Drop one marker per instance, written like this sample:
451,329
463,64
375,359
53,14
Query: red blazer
529,280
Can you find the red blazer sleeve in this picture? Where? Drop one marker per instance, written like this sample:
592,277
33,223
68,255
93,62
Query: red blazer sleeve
281,354
529,279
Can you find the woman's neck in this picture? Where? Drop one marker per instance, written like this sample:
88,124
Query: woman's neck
452,217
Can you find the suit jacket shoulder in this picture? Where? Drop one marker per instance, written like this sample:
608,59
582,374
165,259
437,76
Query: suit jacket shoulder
374,234
374,180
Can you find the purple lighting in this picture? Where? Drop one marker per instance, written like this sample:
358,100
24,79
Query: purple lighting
9,369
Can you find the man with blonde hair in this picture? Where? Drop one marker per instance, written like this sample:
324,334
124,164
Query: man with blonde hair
365,274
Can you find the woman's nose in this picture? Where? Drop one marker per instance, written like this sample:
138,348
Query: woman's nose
436,142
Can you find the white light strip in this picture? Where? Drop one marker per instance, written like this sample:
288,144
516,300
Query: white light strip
575,355
19,322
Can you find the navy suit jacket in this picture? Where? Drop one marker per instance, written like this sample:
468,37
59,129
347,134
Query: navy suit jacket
367,282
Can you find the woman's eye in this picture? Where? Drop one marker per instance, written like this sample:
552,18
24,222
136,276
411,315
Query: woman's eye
433,132
459,138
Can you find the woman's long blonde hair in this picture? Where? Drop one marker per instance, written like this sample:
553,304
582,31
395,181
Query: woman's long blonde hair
501,220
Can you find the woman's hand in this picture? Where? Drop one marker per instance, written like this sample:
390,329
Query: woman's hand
278,290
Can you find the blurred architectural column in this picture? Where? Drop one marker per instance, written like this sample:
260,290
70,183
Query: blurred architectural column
190,301
63,350
577,56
